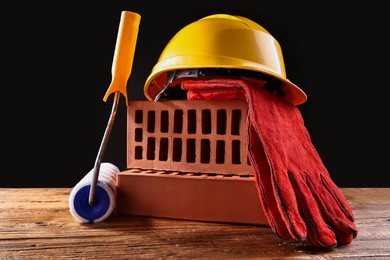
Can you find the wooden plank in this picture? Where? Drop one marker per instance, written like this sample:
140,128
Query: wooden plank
35,223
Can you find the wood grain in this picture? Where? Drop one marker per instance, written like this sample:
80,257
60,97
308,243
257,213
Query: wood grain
35,223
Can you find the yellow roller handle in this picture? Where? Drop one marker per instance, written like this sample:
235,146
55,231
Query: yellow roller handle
124,53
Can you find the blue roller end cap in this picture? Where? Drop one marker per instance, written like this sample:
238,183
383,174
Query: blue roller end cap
95,211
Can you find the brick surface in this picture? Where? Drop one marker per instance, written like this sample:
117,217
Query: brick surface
190,196
188,136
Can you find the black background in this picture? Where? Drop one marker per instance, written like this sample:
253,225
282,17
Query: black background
57,59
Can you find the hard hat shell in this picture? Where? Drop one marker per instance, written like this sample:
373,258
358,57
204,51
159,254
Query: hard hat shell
223,41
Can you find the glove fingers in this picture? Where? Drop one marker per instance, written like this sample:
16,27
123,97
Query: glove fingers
319,233
288,205
261,168
344,228
339,198
270,207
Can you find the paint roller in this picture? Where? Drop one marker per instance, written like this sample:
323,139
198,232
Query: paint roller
93,198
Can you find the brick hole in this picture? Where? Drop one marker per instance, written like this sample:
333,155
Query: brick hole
228,175
236,121
191,121
151,121
138,153
164,122
220,153
221,121
197,174
178,121
206,121
205,151
191,150
138,116
177,150
236,148
163,154
164,125
138,135
151,148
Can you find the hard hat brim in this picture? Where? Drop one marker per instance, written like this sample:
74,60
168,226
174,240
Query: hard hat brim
153,84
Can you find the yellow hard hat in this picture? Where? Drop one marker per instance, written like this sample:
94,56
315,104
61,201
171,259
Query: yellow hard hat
227,42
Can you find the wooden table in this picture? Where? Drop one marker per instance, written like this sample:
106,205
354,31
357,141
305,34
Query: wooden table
35,223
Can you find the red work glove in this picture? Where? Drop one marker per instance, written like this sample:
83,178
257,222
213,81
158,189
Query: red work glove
296,191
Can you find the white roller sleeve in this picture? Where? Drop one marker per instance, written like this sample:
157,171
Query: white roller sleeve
105,197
